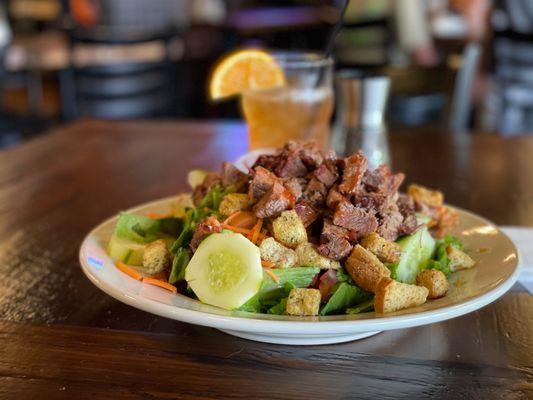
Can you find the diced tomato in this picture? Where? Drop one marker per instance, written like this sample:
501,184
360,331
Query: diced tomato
326,283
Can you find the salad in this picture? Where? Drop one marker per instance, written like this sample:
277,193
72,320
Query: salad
301,232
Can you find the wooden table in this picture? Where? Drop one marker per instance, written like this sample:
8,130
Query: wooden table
63,338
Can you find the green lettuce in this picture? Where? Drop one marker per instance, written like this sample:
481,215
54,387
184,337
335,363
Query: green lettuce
343,297
441,261
280,308
361,307
180,262
300,277
138,228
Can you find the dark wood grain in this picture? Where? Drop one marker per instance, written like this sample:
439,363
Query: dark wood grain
63,338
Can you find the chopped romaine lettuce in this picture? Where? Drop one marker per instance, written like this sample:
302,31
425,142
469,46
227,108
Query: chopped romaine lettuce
171,226
214,197
441,261
300,277
342,276
280,308
179,264
270,301
253,305
344,296
183,239
208,206
276,294
138,228
361,307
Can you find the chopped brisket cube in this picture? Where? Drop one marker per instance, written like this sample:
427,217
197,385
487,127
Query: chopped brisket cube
267,161
395,182
334,241
231,176
311,155
390,225
354,219
199,192
261,182
276,200
408,225
406,207
315,193
334,197
336,248
203,229
290,165
374,201
381,180
354,171
377,180
326,174
295,186
406,204
306,212
329,229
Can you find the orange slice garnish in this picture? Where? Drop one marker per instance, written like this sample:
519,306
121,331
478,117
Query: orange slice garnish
245,70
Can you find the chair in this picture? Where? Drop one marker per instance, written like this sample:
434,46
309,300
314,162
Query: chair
514,77
126,84
461,105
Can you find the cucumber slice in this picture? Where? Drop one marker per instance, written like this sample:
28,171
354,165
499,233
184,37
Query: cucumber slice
196,177
225,270
417,250
127,251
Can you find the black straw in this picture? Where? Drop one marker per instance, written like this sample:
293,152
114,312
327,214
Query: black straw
330,45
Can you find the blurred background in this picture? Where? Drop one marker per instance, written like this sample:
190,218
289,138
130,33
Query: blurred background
455,65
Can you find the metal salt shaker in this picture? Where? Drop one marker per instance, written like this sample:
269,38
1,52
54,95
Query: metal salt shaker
360,123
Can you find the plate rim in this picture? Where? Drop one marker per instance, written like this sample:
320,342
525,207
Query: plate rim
251,324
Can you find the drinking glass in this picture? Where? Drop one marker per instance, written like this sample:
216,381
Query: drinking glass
299,110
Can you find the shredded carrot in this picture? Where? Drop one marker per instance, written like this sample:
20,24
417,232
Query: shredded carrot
129,271
262,236
161,276
245,232
161,283
256,230
272,275
241,219
267,264
155,215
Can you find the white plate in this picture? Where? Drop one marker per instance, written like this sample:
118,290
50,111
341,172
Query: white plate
496,271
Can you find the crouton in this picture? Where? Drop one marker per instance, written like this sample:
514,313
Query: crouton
289,229
303,302
385,250
234,202
435,282
458,259
393,296
156,257
365,268
308,256
278,254
448,218
420,194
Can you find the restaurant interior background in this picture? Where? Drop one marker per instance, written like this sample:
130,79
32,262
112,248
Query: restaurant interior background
454,65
